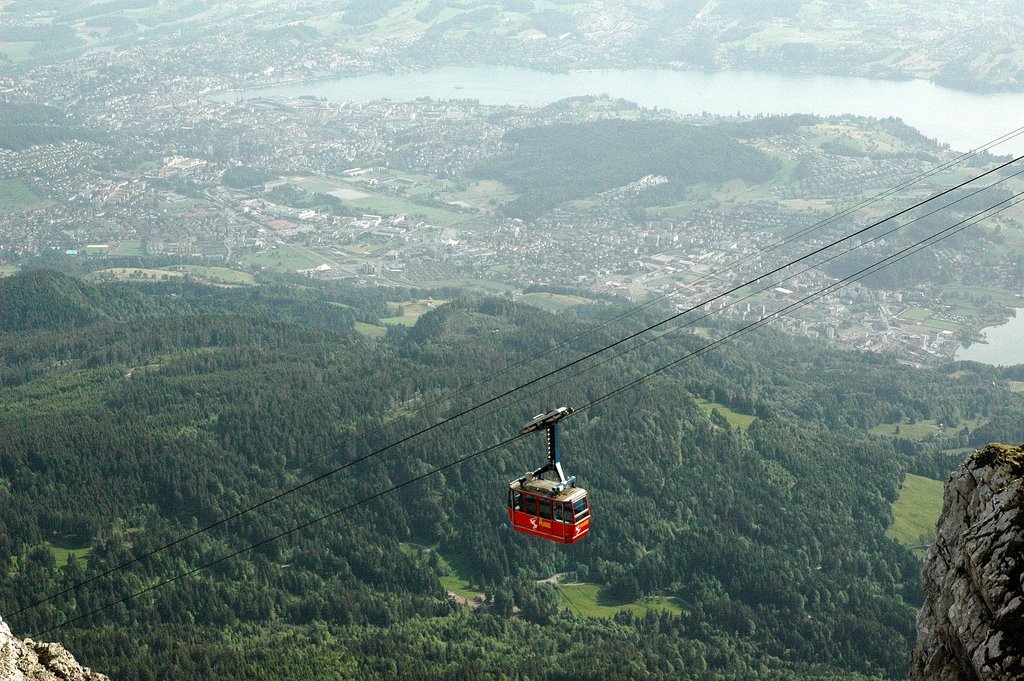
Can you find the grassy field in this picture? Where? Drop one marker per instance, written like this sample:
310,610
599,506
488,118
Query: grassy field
940,325
396,205
411,311
916,510
680,210
735,418
370,330
8,270
218,275
922,429
916,314
128,248
923,317
454,578
1015,386
282,259
552,302
15,195
61,552
485,193
587,600
455,581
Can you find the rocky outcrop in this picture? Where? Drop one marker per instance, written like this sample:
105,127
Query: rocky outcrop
972,624
31,661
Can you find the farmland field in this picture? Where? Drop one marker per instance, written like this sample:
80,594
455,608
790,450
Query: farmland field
916,314
735,418
916,510
922,429
411,311
218,275
282,259
370,330
552,302
587,600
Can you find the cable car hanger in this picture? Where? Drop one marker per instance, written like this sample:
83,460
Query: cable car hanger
548,423
553,509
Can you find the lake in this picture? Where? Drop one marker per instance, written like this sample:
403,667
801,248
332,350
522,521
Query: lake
964,120
1004,344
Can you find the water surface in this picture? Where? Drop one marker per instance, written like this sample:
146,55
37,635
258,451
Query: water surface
1003,346
964,120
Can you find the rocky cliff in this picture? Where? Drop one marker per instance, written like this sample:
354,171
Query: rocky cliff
31,661
972,624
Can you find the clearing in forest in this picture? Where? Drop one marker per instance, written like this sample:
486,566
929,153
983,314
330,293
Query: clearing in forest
916,511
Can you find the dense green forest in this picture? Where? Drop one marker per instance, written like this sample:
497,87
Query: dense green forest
552,164
135,413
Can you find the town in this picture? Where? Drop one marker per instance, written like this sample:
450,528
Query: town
139,175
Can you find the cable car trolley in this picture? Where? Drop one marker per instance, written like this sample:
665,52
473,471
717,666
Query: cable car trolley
545,503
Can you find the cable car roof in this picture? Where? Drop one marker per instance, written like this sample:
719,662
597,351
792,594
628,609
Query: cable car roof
548,488
544,420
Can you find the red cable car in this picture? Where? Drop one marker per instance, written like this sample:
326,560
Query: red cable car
555,508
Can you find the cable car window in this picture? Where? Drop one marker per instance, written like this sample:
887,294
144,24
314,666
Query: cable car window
559,512
530,504
544,508
580,507
515,500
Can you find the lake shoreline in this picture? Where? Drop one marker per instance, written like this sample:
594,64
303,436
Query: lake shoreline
947,115
895,77
1000,346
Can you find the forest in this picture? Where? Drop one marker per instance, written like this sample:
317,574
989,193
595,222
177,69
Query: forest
552,164
136,413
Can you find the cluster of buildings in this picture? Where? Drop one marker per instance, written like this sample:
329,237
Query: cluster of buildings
379,192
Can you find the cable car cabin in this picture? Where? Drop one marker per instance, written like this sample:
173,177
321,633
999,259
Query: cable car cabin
534,507
556,508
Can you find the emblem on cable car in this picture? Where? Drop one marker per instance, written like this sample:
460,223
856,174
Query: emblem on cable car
545,503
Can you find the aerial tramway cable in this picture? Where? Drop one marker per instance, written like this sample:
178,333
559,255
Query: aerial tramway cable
767,286
927,242
510,391
788,239
778,282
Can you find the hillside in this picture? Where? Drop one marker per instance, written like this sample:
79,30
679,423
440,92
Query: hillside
552,164
45,299
742,552
962,44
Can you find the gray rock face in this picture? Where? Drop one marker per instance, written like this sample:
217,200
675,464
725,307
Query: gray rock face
972,624
31,661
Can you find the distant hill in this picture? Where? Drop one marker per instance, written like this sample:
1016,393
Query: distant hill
46,299
968,44
552,164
